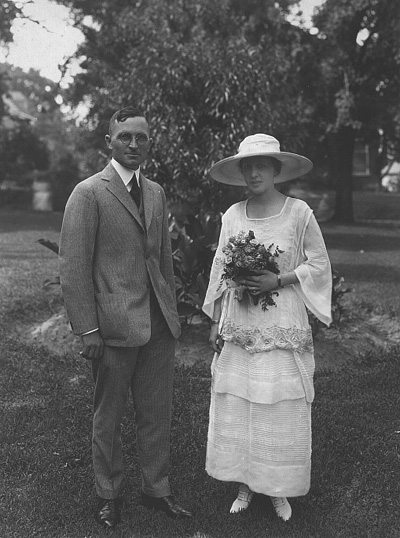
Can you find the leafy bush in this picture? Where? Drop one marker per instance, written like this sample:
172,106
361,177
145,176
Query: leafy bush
194,240
338,291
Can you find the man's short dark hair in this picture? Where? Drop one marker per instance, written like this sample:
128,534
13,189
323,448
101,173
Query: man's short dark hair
123,114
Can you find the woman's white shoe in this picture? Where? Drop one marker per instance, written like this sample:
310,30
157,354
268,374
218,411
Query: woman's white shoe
282,507
243,499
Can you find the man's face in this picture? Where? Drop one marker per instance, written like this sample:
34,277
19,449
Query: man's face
129,154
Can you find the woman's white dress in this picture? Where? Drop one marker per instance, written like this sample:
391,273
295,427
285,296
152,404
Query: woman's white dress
262,382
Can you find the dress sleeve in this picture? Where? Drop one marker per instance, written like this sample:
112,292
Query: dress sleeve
216,287
314,273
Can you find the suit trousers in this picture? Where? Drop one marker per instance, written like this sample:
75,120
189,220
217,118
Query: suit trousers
148,372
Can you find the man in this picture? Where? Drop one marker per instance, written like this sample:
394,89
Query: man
118,285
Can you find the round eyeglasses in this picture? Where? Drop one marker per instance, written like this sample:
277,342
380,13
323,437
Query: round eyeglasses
126,139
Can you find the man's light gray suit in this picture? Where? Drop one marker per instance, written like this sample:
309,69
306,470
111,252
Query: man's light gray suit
117,275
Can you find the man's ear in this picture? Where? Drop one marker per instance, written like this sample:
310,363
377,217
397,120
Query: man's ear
151,143
107,138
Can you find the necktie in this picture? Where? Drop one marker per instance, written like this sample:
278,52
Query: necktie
135,191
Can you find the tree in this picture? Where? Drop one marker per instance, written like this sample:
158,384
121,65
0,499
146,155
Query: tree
359,83
207,74
21,153
47,145
8,12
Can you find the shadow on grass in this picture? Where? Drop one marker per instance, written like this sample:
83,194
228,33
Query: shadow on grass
366,241
17,221
47,474
368,272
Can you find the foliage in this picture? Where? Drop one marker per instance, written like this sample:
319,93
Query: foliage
358,83
48,144
338,291
40,92
194,240
51,245
207,74
245,256
9,11
22,152
63,175
337,308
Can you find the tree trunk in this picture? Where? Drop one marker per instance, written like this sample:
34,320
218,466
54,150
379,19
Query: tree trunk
343,142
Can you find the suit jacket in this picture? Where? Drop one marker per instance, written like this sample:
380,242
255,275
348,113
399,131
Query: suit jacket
110,259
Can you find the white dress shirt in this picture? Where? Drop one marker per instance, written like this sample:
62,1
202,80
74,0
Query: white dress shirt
126,174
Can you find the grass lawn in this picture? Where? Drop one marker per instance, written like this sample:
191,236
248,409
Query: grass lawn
369,260
47,483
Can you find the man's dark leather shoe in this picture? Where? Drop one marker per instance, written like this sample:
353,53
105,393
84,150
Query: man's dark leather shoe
108,512
166,504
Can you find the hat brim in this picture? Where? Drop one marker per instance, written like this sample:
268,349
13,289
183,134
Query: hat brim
293,166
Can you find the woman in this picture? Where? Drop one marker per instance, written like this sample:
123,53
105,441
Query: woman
262,372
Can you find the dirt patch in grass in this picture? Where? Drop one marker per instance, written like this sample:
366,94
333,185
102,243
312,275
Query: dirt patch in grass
357,335
46,398
367,257
359,332
54,333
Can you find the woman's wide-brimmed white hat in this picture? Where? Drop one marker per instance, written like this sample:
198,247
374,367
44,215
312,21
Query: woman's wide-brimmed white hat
293,165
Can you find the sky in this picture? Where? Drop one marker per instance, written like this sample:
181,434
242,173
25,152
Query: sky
46,44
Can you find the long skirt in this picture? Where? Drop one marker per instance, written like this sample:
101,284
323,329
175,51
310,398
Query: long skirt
260,422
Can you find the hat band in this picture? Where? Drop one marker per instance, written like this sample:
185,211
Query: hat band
259,147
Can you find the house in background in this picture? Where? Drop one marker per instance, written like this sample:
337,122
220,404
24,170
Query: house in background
391,176
366,164
373,168
16,106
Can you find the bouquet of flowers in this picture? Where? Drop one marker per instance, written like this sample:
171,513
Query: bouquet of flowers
244,257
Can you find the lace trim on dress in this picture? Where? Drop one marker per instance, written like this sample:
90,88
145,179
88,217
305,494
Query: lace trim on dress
256,340
219,260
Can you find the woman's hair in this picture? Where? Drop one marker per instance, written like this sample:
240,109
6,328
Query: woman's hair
275,163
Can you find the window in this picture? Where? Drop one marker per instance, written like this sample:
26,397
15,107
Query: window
361,159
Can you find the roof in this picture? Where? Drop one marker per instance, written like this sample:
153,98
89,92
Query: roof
14,103
391,169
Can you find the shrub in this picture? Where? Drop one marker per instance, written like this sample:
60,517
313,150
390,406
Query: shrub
338,291
194,240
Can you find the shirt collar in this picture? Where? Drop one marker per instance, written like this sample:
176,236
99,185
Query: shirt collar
126,174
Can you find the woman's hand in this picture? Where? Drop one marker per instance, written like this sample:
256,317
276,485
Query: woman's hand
215,340
260,282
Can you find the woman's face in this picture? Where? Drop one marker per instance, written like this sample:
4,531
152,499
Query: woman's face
259,173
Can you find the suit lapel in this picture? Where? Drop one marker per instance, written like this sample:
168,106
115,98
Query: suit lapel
147,196
116,186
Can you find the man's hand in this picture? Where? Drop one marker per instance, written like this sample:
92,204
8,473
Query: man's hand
215,340
93,346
